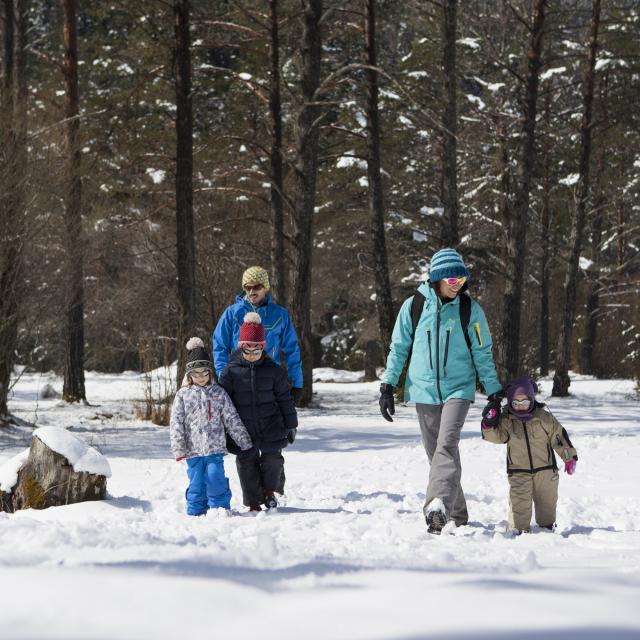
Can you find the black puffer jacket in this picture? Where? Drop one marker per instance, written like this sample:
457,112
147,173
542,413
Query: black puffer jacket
260,393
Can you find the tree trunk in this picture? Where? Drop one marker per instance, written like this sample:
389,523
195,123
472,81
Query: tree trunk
519,212
451,235
73,387
185,240
545,244
561,380
278,272
384,303
592,306
8,276
304,189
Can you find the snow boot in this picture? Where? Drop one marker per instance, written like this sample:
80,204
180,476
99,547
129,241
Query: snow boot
270,500
436,520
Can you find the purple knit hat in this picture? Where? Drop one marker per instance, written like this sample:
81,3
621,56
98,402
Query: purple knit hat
522,385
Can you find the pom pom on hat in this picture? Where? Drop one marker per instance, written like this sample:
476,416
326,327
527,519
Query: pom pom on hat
252,330
253,318
194,343
198,356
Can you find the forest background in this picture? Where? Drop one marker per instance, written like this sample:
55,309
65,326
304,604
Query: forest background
153,150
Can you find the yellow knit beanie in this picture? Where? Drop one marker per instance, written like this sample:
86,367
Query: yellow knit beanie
256,275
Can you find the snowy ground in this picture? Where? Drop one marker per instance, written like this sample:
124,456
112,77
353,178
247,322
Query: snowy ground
348,556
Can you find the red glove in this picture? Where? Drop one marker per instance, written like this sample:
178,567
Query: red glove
180,458
570,467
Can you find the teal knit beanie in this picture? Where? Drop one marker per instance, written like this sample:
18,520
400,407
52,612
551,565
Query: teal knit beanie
447,263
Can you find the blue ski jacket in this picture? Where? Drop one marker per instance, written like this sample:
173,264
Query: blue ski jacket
280,332
441,366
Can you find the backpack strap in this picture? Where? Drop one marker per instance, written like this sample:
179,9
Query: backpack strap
465,317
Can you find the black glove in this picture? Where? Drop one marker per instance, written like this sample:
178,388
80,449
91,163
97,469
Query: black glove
491,412
296,394
387,403
291,435
247,453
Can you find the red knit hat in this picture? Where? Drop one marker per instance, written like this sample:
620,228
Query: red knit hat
252,331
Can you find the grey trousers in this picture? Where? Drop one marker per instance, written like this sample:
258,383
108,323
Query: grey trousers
440,425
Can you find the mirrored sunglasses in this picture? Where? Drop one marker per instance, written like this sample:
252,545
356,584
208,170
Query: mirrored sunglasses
199,373
253,287
521,404
251,352
453,281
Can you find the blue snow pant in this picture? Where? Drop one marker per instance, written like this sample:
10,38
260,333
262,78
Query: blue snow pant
208,486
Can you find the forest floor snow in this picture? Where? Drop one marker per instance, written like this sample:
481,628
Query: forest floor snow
347,555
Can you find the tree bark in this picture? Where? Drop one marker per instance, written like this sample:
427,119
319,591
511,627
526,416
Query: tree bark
8,276
384,302
451,234
519,212
185,240
561,381
545,243
278,272
304,188
73,387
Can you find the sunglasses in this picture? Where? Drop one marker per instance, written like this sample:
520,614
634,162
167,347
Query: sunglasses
252,352
453,281
203,373
521,404
253,287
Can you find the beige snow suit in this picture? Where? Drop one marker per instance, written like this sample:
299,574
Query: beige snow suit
531,464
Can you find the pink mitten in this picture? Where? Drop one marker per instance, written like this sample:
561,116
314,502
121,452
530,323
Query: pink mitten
570,467
490,420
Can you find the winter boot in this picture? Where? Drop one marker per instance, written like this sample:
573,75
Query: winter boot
255,508
270,500
435,521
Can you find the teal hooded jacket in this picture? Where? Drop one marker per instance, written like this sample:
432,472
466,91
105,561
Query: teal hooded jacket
441,366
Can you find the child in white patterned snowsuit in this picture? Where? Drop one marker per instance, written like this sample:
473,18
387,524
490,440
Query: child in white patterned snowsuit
201,414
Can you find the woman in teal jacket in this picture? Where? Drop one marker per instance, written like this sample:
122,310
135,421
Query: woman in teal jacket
441,378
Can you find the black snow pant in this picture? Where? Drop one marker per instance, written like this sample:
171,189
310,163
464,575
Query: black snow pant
260,472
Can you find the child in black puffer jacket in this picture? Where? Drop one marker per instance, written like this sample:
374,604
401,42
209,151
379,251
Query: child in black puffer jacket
259,389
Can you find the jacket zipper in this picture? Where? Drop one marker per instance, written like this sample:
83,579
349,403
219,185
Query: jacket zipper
438,353
526,437
446,352
209,409
253,396
429,339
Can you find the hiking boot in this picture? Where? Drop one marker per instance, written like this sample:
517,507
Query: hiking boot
270,500
435,521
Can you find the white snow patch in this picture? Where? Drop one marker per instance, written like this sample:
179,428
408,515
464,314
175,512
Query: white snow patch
549,73
570,180
245,76
9,470
327,374
81,456
347,162
419,236
584,263
472,43
157,175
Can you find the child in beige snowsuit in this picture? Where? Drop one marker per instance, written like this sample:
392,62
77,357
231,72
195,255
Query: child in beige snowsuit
531,434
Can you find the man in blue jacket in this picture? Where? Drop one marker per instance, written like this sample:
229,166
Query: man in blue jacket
441,377
282,339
